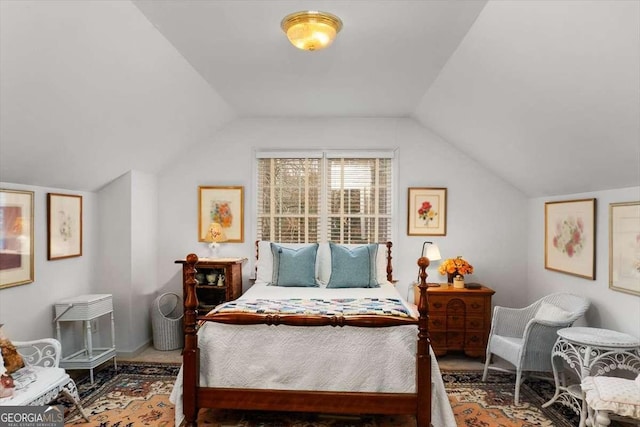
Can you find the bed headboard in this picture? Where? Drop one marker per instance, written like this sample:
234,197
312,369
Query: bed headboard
387,245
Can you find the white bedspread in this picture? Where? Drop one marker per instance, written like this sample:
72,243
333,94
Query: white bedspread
288,357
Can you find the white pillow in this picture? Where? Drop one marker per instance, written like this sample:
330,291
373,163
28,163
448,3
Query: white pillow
323,262
264,265
552,313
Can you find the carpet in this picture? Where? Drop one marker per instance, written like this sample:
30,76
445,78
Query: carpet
137,395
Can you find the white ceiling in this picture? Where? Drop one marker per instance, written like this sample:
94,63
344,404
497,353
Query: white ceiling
381,64
545,94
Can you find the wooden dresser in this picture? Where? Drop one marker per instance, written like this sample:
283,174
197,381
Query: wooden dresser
459,319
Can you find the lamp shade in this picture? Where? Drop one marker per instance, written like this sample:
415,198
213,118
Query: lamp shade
215,233
311,30
432,252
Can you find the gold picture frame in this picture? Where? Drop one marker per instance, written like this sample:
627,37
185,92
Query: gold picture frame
16,237
624,247
64,226
570,237
427,211
224,205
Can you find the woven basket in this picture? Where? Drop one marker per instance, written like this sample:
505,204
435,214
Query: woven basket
166,321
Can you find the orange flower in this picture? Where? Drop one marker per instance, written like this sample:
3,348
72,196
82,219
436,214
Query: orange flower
456,265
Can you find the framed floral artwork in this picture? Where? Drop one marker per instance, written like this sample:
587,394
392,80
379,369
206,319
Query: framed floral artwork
64,226
224,206
427,210
570,237
16,238
624,247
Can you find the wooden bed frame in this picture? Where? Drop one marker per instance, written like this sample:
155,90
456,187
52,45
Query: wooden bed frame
196,397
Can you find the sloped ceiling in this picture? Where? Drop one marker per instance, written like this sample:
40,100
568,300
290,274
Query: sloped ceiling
90,90
546,94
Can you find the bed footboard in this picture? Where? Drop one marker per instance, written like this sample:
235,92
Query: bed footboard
196,397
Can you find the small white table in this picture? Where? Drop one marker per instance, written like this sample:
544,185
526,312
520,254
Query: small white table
86,308
590,351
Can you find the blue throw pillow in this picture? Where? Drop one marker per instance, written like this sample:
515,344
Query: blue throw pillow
353,268
294,267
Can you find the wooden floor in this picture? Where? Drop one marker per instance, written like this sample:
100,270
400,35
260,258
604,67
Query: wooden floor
449,362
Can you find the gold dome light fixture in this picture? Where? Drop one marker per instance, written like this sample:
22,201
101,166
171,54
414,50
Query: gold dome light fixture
310,29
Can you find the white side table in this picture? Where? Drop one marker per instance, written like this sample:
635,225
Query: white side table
590,352
85,308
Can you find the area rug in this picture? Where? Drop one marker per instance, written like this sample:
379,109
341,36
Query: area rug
138,395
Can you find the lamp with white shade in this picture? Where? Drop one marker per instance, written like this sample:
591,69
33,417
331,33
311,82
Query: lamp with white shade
215,236
430,252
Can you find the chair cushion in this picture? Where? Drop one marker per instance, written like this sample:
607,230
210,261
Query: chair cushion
38,386
552,313
508,348
618,395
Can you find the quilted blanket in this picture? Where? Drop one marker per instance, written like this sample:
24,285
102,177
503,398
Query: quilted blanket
318,306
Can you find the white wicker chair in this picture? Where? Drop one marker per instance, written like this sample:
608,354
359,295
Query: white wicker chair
44,379
526,342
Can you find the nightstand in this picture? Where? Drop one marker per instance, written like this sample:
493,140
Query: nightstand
459,319
227,280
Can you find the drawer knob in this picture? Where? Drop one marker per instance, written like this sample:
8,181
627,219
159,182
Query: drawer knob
475,305
437,304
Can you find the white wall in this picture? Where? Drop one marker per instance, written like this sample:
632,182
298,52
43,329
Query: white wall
144,230
486,223
27,310
114,261
609,309
127,262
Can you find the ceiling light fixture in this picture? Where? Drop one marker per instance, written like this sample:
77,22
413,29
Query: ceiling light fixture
311,30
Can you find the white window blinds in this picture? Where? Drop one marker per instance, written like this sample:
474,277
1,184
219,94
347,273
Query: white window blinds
342,198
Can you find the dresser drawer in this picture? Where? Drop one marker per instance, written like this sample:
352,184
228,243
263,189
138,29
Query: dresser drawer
437,323
474,339
475,304
455,340
474,323
438,303
455,321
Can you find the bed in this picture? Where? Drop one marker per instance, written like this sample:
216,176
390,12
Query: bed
355,350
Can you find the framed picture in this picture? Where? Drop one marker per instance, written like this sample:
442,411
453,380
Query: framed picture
427,212
570,237
222,205
16,238
624,247
64,226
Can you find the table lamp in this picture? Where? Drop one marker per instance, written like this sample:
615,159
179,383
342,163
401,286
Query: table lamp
430,251
215,235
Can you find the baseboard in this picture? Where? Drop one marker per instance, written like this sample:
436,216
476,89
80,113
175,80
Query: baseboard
134,353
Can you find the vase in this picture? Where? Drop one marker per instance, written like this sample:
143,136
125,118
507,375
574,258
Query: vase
450,277
458,282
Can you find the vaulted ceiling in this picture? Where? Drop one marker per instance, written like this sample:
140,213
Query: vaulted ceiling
545,94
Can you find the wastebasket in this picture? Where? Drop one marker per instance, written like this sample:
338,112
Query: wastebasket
166,322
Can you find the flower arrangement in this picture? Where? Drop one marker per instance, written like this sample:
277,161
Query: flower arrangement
454,266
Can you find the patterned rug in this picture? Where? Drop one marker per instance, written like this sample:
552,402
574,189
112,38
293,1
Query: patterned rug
137,395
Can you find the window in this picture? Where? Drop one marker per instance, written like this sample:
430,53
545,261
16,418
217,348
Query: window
324,196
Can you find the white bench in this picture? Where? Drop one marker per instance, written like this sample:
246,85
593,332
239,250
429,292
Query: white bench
41,378
611,397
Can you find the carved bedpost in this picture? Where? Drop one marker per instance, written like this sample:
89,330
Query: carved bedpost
190,354
423,363
389,268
